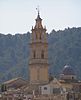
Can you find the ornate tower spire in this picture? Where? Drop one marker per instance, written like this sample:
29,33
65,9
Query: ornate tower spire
38,20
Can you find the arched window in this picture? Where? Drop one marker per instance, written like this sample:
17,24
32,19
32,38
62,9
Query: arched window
72,77
34,54
42,54
40,36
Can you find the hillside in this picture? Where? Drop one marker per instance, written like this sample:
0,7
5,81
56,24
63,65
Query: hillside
64,48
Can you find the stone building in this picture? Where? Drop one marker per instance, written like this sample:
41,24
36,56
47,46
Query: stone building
38,61
54,87
68,74
15,83
68,78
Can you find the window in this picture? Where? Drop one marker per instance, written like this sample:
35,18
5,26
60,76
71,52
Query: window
29,98
40,36
45,88
72,77
38,71
34,54
56,90
42,54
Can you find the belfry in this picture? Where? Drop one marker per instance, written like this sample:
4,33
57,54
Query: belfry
38,61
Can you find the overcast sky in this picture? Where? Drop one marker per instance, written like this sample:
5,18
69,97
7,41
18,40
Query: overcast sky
18,16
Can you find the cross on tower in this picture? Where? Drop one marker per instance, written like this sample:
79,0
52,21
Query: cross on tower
38,9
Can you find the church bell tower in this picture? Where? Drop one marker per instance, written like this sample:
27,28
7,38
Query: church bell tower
38,61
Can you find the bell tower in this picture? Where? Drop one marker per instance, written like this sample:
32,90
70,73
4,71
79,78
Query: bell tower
38,61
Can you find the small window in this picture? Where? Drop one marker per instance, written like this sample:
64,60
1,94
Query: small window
40,36
34,54
45,88
42,54
56,90
29,98
36,36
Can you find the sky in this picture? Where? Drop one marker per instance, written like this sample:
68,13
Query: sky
18,16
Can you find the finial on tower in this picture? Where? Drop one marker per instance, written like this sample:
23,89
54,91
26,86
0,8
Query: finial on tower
38,16
37,9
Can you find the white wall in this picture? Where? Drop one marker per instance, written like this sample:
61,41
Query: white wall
45,89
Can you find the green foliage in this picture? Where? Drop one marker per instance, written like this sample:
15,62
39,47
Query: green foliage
14,52
64,48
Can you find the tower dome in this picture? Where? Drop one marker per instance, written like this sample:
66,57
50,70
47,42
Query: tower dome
68,73
68,70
